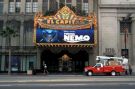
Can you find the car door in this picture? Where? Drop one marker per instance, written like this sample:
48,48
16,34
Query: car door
98,68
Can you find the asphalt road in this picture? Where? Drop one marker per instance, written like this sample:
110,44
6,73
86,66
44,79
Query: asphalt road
69,85
66,82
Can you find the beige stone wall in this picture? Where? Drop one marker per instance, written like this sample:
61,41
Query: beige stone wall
110,14
117,2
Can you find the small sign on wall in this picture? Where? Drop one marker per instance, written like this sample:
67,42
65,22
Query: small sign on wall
109,52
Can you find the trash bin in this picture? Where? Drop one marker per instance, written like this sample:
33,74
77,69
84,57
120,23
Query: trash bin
29,72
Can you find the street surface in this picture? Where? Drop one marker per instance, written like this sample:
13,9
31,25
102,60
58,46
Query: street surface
85,85
66,82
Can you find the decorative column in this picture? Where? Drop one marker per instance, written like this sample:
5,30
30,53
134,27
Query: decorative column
90,2
4,44
23,3
92,58
119,43
22,33
38,58
132,60
40,5
133,42
48,4
6,6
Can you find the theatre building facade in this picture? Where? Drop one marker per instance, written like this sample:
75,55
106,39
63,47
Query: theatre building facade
65,40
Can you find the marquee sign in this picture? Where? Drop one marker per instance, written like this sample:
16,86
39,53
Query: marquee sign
65,28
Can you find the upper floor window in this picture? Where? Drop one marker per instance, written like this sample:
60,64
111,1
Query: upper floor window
79,6
11,6
28,0
35,6
125,25
45,5
61,3
18,0
65,2
85,6
17,6
69,3
14,6
79,1
31,6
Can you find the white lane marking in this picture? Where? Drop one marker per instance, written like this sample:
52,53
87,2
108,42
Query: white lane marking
5,85
79,84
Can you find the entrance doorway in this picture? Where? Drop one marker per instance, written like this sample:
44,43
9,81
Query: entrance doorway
64,61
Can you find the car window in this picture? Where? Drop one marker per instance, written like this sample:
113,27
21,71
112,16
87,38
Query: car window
98,65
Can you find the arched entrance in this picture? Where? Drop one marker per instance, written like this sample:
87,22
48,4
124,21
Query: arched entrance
51,60
64,61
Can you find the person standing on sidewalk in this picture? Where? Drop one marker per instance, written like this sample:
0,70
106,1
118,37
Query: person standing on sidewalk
126,69
130,69
45,69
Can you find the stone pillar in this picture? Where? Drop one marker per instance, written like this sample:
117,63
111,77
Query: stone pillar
133,45
4,43
3,63
6,6
40,3
38,58
92,58
23,6
22,33
90,2
4,26
119,44
48,4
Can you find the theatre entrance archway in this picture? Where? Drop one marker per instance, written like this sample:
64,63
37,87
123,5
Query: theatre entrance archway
64,61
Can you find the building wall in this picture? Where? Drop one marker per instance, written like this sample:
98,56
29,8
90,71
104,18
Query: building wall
110,14
116,2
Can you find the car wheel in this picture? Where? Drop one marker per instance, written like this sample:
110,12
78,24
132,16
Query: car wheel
90,73
113,73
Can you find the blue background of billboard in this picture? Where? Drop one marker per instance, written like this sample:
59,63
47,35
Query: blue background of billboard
44,35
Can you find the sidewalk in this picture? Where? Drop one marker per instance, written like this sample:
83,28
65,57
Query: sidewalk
63,78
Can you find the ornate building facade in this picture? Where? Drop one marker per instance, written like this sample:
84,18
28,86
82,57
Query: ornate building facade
115,34
19,15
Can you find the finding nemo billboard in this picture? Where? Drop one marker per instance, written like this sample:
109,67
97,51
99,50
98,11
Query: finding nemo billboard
65,28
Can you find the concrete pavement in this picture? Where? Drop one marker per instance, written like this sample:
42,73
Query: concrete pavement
63,78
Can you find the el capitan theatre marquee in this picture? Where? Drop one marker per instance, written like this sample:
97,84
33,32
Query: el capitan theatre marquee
65,28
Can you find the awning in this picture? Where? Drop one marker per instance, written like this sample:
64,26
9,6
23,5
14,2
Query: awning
63,45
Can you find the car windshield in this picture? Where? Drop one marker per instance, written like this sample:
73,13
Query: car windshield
98,65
